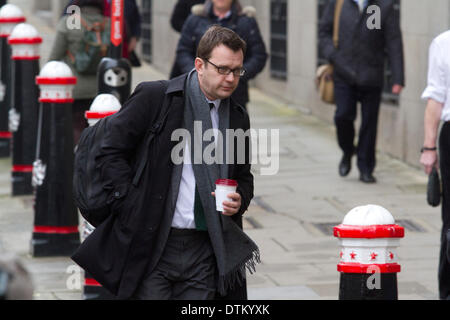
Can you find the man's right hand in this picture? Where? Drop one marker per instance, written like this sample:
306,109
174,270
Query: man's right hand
429,159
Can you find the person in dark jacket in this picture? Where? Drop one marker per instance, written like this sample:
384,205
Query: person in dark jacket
132,23
227,13
180,13
369,29
165,238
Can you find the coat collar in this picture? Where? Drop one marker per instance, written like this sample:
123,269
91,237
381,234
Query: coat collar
177,85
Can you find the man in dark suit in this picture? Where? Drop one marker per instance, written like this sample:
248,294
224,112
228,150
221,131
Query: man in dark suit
165,239
368,30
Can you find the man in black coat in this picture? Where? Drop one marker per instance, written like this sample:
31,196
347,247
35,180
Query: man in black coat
368,31
165,239
227,13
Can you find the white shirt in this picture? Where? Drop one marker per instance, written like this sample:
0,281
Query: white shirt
438,87
183,217
361,4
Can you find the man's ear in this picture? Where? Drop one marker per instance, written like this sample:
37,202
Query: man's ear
199,65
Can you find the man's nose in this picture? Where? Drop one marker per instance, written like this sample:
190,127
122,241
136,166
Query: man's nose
230,77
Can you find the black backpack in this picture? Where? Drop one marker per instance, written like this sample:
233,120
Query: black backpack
89,195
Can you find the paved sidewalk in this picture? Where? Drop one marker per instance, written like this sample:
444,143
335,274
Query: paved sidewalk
291,216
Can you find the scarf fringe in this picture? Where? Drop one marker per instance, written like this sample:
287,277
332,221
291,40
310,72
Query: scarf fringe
228,281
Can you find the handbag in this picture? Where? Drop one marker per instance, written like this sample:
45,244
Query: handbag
434,188
324,73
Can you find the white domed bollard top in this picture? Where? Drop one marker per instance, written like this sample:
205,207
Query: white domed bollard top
369,238
56,83
24,41
104,105
10,16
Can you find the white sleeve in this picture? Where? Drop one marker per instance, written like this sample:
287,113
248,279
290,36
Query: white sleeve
436,88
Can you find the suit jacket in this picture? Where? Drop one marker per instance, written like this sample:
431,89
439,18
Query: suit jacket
360,56
119,250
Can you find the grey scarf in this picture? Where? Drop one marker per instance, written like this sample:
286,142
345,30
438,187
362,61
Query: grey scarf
233,249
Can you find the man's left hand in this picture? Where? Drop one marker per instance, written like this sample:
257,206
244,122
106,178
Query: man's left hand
397,88
231,207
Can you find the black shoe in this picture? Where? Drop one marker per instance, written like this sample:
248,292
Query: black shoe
345,165
367,178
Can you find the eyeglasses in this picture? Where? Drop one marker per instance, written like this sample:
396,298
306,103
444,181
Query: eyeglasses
238,72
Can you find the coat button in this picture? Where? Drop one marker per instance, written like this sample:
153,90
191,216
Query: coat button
117,194
150,229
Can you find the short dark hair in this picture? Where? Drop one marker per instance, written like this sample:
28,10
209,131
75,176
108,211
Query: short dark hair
217,35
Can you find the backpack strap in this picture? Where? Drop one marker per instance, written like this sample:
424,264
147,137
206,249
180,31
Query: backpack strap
154,130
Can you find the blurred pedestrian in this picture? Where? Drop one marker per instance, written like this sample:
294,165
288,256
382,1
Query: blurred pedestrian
15,281
180,13
359,61
132,31
71,46
229,14
437,110
132,27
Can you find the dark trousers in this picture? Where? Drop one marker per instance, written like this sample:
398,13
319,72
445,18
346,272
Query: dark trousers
444,265
185,271
347,97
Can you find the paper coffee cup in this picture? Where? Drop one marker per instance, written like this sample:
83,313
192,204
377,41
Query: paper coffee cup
223,188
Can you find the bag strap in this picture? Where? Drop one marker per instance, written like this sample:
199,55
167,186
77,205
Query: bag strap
337,17
150,135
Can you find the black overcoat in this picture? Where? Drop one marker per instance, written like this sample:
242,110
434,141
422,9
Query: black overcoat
117,253
363,45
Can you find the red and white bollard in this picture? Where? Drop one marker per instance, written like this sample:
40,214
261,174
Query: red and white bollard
55,230
23,114
103,106
369,265
10,16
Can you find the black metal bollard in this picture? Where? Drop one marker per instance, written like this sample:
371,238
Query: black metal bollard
23,114
55,230
369,238
103,106
10,16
